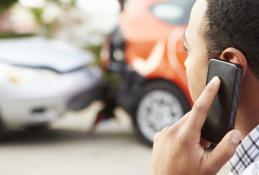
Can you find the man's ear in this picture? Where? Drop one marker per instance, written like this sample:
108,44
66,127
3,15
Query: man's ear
235,56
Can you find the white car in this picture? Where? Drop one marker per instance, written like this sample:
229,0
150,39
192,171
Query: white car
41,79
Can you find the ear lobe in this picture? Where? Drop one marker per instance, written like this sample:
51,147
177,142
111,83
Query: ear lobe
235,56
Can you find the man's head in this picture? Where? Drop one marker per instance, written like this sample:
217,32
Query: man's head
226,29
229,30
234,23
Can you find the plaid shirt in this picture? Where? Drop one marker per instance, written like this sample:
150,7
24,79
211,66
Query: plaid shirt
246,158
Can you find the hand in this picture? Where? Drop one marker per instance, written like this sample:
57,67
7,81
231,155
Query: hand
177,149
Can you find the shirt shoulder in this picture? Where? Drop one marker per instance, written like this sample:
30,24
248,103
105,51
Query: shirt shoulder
247,153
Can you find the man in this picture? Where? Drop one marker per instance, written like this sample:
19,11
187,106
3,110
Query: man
228,30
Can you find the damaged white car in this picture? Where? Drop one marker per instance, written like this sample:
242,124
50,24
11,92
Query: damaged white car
41,79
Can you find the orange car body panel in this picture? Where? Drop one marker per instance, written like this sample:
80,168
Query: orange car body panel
154,52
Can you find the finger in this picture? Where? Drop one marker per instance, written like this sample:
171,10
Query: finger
201,106
223,151
181,122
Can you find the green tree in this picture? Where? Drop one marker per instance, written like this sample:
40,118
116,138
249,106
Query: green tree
5,4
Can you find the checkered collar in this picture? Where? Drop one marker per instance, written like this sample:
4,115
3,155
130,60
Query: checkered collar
247,153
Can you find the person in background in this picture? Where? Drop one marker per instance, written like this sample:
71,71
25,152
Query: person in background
228,30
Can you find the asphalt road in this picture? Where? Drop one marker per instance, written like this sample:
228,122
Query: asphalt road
68,148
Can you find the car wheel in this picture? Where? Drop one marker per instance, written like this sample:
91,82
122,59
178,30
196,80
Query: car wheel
160,105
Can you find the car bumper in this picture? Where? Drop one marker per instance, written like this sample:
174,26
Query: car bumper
44,102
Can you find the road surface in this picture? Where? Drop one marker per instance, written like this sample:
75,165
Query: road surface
68,148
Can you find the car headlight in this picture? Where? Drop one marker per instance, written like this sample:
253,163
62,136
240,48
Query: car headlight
20,75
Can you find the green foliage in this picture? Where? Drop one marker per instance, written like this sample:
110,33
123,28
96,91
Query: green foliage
5,4
37,13
71,3
96,50
13,35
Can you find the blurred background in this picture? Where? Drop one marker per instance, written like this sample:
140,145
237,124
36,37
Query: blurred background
85,85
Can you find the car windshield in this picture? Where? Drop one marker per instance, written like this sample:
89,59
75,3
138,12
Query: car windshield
173,11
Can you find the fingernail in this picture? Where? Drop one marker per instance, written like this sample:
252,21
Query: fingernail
236,137
215,81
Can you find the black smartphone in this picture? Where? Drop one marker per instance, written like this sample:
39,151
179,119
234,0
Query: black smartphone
222,113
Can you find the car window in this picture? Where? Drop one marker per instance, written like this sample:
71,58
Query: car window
173,11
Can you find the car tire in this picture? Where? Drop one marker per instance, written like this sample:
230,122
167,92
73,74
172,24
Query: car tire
38,127
160,104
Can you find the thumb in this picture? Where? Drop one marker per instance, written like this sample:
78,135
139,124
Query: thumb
223,151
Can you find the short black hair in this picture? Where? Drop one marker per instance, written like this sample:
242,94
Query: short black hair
234,23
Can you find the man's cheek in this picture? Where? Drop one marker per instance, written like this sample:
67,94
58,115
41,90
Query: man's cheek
188,68
186,62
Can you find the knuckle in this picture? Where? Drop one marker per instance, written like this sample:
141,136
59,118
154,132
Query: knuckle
182,138
172,133
163,132
182,141
174,129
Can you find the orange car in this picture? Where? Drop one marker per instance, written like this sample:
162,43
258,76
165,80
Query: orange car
146,51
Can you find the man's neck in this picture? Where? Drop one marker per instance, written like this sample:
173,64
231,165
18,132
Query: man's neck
248,110
247,121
